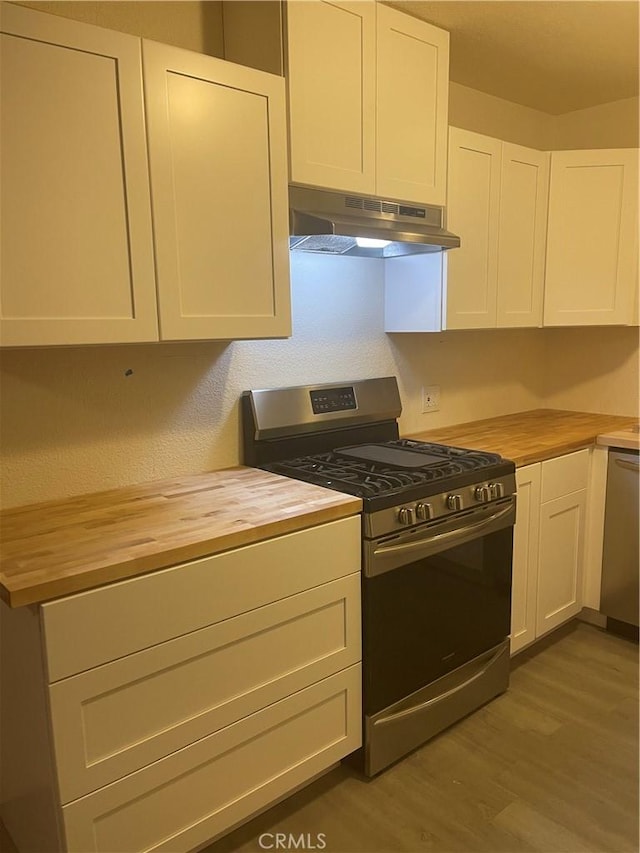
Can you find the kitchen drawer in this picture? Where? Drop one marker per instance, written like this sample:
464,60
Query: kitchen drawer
119,717
194,794
565,475
91,628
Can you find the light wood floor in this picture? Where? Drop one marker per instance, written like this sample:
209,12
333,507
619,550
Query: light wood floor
550,766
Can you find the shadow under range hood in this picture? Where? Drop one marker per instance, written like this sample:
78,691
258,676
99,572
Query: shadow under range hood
363,226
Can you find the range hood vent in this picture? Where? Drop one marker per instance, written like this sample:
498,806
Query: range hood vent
354,225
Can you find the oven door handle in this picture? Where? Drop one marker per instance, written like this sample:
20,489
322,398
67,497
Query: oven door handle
388,557
447,694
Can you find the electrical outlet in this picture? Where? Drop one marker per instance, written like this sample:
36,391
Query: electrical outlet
431,398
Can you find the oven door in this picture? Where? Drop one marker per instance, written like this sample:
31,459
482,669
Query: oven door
434,598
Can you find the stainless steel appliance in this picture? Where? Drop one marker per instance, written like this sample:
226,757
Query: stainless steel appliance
437,533
619,594
351,224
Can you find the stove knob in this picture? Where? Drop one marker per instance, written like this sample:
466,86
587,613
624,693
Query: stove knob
424,511
454,501
482,494
496,490
406,515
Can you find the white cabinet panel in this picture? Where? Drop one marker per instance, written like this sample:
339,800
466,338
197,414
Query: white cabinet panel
561,560
217,155
592,251
473,205
77,252
525,558
524,191
331,80
412,108
186,799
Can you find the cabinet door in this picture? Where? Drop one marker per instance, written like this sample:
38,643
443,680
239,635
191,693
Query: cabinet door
217,150
77,252
472,213
591,241
331,79
560,560
412,102
524,197
525,558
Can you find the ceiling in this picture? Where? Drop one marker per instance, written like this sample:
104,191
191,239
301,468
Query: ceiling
554,56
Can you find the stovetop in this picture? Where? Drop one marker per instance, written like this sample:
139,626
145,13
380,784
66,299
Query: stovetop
387,473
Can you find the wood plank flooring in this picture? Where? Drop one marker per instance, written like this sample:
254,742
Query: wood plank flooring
550,766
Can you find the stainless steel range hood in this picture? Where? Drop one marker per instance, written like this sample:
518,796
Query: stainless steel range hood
344,224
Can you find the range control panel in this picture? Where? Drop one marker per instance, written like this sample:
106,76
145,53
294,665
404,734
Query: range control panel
332,400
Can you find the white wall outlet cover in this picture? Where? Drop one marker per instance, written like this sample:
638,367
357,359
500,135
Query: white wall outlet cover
431,398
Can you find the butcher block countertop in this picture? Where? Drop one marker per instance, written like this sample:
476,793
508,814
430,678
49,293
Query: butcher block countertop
60,547
529,437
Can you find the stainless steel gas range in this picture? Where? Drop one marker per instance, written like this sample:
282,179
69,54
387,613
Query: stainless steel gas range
437,536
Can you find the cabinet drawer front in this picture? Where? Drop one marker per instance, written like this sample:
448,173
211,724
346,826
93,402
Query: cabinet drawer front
198,792
119,717
92,628
565,475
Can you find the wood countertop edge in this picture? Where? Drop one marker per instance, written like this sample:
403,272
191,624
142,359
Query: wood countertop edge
21,591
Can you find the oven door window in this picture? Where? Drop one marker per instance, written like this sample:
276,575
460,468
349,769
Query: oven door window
422,620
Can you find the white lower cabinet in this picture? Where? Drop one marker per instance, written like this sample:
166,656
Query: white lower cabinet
549,546
524,582
174,705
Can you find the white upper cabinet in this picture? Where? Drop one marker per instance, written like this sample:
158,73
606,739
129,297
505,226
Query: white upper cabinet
368,100
497,204
77,239
331,50
473,206
217,151
412,108
77,251
592,244
522,235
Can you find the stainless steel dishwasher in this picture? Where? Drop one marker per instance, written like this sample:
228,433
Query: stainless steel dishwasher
620,558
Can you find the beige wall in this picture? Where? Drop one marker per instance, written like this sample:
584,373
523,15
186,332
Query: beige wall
592,369
194,26
482,113
72,421
613,125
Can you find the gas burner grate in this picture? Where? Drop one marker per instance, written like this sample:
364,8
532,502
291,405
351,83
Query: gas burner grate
373,479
